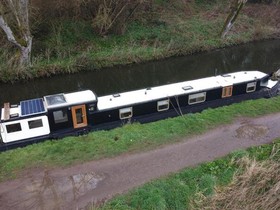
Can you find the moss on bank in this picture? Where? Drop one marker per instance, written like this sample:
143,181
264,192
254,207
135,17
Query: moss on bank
168,29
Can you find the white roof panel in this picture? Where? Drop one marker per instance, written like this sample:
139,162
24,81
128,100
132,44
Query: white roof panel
68,99
137,96
80,97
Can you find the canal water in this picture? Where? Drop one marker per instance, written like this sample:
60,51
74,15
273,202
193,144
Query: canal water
263,56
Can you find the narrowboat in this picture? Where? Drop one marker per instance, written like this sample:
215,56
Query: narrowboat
64,114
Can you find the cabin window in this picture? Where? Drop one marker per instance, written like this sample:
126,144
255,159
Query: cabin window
125,113
197,98
227,92
251,87
60,116
13,128
35,123
162,105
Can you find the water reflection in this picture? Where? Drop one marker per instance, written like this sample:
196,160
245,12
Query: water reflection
53,193
264,56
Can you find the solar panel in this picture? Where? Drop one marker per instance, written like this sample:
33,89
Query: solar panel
31,107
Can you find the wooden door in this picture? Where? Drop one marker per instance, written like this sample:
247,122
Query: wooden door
227,92
79,116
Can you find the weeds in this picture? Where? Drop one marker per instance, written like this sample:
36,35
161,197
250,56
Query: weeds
256,188
167,29
236,181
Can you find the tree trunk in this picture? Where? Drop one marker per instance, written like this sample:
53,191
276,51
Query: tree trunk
26,52
23,40
235,10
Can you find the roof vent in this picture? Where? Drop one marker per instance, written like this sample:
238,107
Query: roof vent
116,95
14,115
187,87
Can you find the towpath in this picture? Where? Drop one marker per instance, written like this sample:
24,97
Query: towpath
96,181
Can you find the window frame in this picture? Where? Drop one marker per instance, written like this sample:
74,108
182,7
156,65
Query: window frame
39,125
64,115
163,103
125,111
197,96
15,129
251,85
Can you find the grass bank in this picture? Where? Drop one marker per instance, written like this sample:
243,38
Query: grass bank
130,138
245,179
168,28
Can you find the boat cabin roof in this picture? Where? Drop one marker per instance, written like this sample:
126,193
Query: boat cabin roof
69,99
41,105
24,109
165,91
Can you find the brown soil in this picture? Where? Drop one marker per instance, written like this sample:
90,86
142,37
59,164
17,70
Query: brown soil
96,181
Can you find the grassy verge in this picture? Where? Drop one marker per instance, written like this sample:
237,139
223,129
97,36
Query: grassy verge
169,29
130,138
254,171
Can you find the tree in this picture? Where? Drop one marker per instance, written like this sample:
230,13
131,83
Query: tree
113,14
14,21
235,8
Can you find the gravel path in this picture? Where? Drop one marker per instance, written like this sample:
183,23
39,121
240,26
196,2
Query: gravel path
96,181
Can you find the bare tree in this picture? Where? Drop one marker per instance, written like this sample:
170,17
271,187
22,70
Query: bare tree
110,14
14,21
236,6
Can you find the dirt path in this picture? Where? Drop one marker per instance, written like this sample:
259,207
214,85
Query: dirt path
78,186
